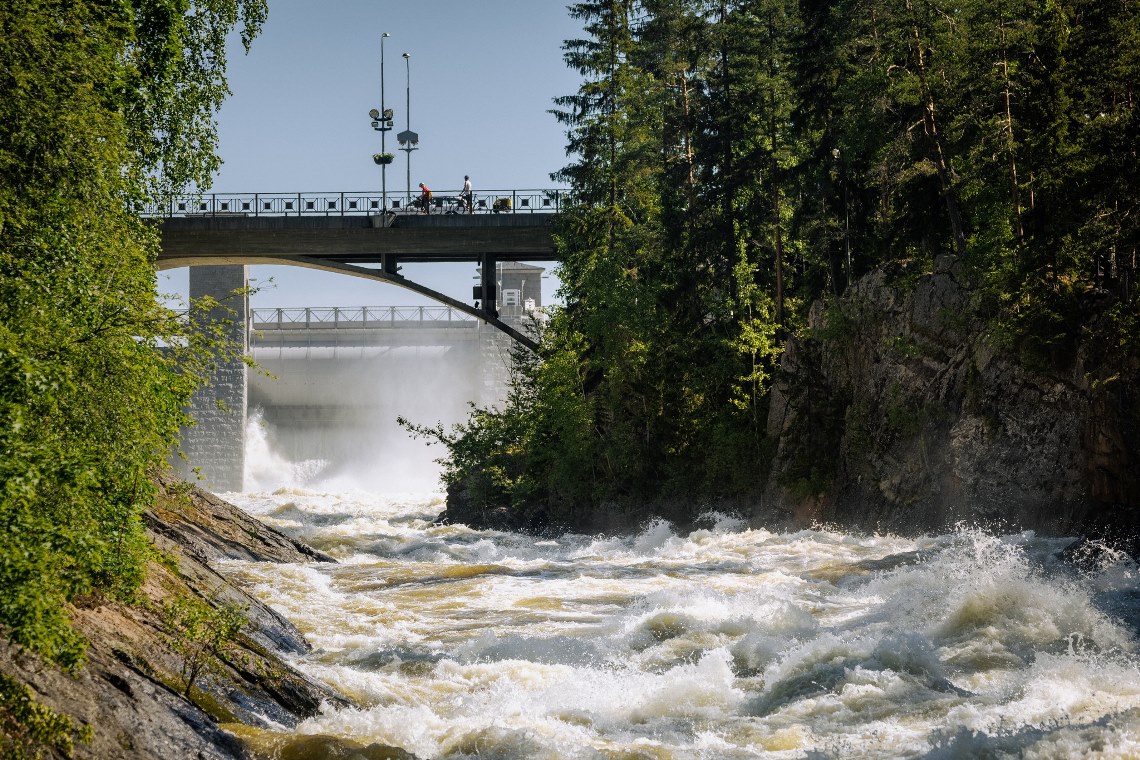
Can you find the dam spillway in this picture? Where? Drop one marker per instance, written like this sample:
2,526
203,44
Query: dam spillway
328,395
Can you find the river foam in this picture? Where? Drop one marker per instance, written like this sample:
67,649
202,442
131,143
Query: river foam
728,642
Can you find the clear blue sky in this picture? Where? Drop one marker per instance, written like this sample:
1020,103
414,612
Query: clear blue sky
482,74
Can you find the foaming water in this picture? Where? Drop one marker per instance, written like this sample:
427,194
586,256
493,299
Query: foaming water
404,465
725,643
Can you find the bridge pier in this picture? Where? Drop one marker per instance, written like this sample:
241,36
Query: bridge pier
489,283
390,264
494,373
215,446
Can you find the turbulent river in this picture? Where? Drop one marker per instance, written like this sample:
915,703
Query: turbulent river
728,642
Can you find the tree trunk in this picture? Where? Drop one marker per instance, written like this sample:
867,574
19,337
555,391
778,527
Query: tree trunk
930,124
1011,144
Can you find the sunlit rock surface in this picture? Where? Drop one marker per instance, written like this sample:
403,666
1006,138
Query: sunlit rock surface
130,690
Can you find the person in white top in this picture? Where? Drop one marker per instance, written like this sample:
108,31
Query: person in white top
465,194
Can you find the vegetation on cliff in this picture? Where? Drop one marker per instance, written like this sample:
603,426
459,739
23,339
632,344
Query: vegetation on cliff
188,664
736,161
104,108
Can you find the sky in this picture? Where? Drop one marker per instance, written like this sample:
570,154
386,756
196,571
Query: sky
481,79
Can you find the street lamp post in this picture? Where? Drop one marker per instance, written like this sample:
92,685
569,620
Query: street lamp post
408,139
382,122
383,132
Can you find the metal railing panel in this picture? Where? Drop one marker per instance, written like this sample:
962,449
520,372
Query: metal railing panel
355,203
358,317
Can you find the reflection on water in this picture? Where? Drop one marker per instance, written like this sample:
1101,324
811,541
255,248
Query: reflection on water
726,643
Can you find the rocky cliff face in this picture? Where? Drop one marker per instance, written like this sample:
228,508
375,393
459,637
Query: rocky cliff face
898,413
131,692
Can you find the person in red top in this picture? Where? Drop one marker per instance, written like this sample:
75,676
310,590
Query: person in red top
425,199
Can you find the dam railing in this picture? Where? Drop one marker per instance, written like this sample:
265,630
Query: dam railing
359,317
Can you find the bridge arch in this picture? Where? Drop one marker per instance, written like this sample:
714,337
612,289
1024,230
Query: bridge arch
353,270
338,233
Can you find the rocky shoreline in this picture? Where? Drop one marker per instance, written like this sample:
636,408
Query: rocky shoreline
131,691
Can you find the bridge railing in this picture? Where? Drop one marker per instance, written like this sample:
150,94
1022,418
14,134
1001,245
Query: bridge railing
527,201
361,317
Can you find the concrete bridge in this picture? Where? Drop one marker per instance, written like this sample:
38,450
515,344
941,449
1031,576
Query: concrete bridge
218,236
350,234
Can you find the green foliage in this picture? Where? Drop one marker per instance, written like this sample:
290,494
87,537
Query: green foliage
103,106
905,346
735,161
202,635
905,419
1039,327
480,454
841,322
541,437
29,729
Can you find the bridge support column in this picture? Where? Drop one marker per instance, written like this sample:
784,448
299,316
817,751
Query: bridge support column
390,264
216,444
490,283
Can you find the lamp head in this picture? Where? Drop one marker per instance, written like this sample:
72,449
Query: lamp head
374,114
407,55
385,34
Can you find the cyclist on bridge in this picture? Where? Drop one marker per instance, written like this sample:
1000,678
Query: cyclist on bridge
465,195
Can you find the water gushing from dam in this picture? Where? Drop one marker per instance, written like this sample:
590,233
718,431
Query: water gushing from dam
729,642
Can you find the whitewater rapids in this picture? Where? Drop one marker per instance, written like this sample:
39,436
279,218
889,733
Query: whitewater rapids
729,642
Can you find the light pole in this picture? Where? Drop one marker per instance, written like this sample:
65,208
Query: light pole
383,132
408,139
382,122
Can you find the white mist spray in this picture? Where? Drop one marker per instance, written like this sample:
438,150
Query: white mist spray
266,470
325,419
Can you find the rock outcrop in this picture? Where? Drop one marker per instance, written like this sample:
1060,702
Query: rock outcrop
131,692
898,412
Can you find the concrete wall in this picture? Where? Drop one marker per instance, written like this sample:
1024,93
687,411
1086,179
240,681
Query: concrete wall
215,446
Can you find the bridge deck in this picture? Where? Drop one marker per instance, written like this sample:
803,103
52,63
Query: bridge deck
241,239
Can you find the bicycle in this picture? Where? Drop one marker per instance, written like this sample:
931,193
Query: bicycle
458,204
